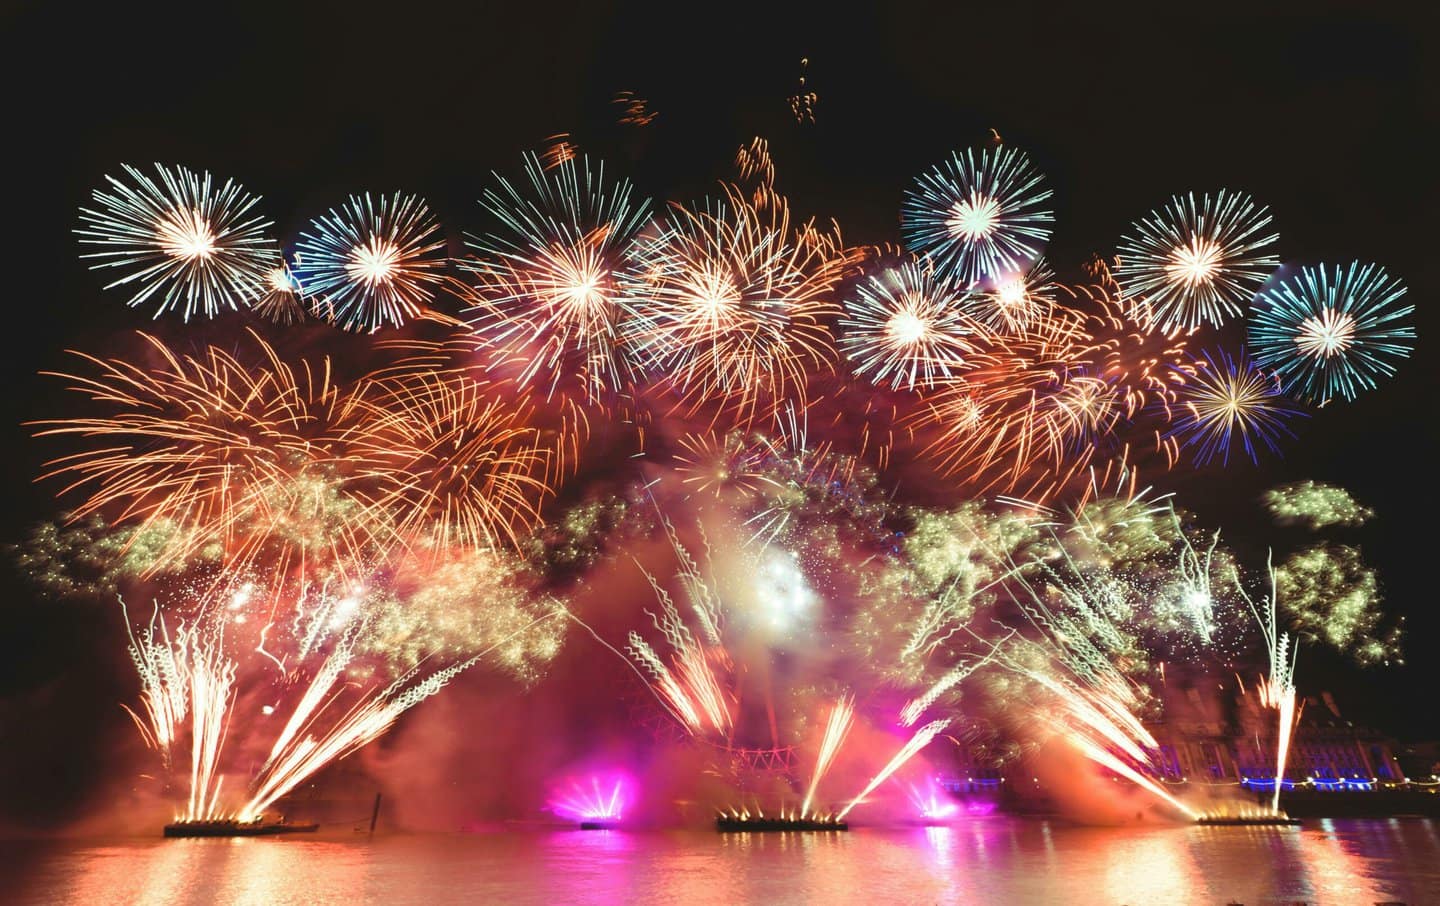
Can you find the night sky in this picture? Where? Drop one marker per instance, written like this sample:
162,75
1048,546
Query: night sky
1325,114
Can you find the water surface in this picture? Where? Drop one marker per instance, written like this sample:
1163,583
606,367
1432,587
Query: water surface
990,860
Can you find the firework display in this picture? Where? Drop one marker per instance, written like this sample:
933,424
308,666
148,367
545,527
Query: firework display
196,247
1197,262
978,215
827,520
369,263
1331,332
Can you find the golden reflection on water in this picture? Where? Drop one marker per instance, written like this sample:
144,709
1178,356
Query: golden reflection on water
987,860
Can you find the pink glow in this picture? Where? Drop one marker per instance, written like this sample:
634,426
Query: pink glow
596,798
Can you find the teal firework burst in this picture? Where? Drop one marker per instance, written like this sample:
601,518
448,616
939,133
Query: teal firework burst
978,215
1332,331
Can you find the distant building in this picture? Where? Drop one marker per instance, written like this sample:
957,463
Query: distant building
1224,738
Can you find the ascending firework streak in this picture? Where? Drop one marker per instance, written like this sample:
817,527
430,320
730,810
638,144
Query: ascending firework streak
842,716
953,677
920,740
293,759
1277,690
187,676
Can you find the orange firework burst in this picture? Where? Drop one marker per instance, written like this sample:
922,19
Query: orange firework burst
731,300
446,459
220,450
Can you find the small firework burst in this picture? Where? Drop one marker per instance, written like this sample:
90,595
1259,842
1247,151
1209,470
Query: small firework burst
634,110
1332,331
1012,302
1197,262
1232,401
906,328
368,264
196,247
977,215
547,289
282,305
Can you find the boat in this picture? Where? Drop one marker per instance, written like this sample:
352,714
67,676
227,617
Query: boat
232,828
732,824
1249,821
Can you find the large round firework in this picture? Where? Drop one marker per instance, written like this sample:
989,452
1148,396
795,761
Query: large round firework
978,215
547,278
196,247
1197,262
1231,401
908,329
369,263
446,460
1332,331
730,301
216,448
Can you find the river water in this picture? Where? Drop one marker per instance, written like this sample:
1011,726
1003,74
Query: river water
989,860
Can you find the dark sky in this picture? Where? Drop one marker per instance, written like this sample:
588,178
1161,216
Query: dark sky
1324,112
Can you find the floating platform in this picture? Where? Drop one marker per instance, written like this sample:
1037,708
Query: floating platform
599,824
728,824
230,828
1249,821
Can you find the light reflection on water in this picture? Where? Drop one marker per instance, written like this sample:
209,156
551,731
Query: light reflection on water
991,860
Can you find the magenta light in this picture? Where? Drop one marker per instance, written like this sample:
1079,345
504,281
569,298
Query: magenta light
932,803
596,799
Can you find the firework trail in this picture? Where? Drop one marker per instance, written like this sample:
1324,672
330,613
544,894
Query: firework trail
837,727
1332,332
368,264
977,215
547,284
195,246
1277,689
1197,262
920,740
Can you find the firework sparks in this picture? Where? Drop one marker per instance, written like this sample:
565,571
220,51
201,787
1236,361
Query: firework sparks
368,264
977,215
920,740
907,329
1332,331
837,727
1232,401
194,246
730,301
1197,262
1315,506
547,284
